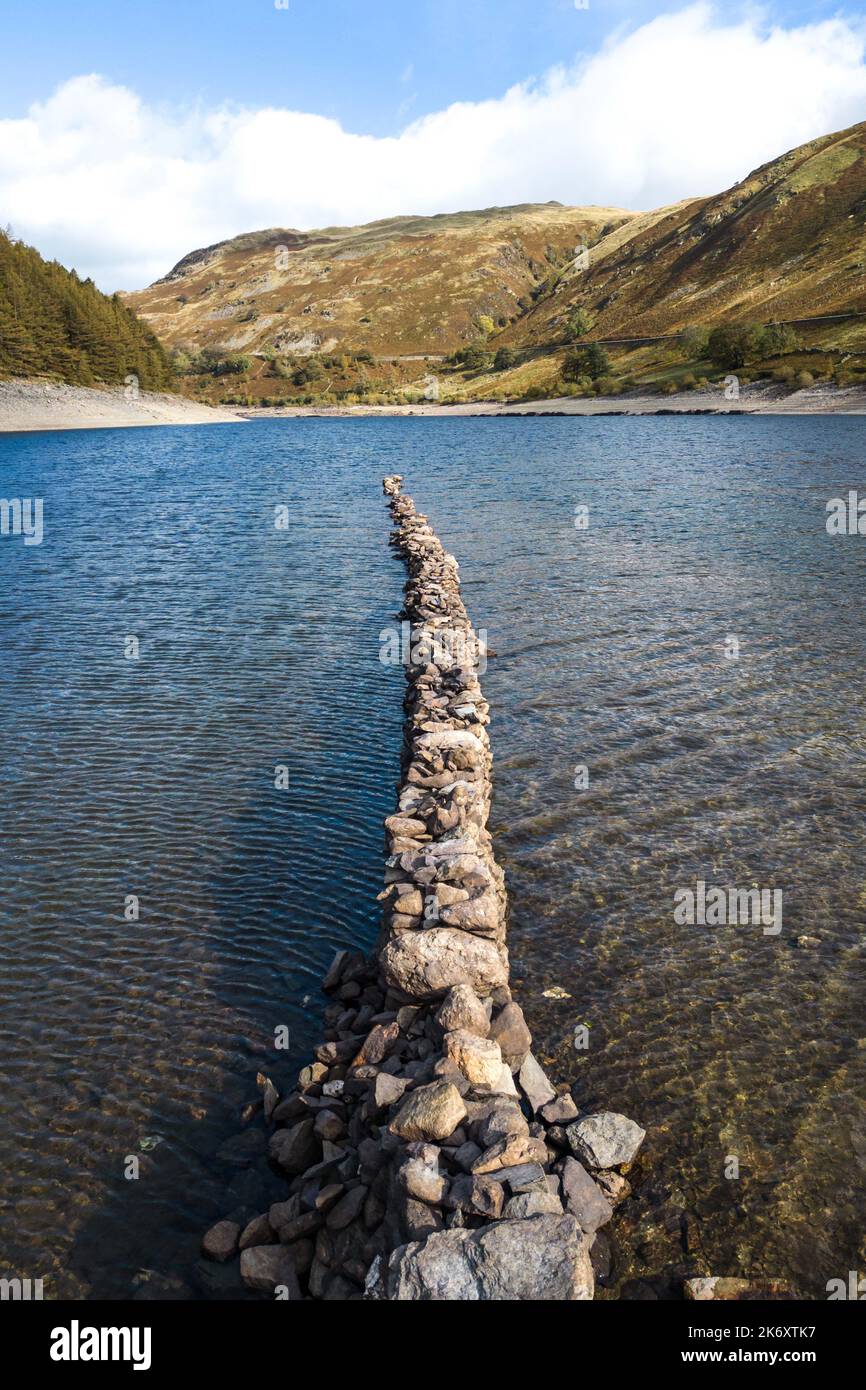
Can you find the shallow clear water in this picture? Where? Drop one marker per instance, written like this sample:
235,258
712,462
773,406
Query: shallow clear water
259,648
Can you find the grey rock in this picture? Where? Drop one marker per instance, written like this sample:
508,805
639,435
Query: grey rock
534,1084
348,1209
605,1140
560,1111
510,1031
526,1204
296,1149
462,1009
220,1243
425,964
271,1268
259,1231
431,1112
543,1259
583,1198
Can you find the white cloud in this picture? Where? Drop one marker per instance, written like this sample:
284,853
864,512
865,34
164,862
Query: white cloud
685,104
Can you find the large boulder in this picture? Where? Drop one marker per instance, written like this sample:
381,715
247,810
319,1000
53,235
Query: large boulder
425,964
605,1140
542,1259
271,1269
461,1008
430,1112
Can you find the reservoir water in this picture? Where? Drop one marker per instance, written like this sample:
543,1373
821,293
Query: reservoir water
199,743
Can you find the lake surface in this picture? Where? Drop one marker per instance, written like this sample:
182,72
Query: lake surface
154,778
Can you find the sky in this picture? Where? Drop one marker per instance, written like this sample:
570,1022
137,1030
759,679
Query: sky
133,134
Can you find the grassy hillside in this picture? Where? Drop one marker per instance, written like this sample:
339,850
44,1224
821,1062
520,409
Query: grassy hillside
53,324
506,303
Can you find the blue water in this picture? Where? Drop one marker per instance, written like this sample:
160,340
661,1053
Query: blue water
258,648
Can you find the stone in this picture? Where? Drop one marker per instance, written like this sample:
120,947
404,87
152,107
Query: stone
560,1111
808,943
544,1259
328,1195
479,1059
479,1196
271,1268
406,826
510,1031
430,1112
387,1090
510,1152
377,1045
296,1149
220,1243
327,1125
348,1209
499,1122
605,1140
257,1232
613,1186
462,1009
422,1180
335,970
526,1204
523,1177
425,964
583,1198
466,1155
534,1084
304,1225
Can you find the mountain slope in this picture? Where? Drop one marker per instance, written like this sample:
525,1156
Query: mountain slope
404,286
785,243
53,324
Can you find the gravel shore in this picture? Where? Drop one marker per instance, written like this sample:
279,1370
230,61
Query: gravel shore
43,405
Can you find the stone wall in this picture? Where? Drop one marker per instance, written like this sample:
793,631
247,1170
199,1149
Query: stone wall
426,1154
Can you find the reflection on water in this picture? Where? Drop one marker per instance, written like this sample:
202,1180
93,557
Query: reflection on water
260,648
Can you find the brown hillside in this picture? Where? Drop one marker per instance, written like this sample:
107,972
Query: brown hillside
408,285
787,242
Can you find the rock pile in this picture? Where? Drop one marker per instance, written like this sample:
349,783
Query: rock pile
426,1154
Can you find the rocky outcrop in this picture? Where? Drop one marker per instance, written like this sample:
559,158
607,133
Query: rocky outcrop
426,1154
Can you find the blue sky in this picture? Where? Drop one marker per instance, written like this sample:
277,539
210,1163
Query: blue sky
373,66
132,134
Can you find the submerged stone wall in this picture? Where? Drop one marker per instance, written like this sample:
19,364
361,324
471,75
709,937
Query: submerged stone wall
426,1154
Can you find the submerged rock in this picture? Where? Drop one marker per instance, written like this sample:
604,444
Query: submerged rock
540,1259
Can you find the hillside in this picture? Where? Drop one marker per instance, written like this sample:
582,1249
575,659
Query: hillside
785,243
483,305
404,286
54,324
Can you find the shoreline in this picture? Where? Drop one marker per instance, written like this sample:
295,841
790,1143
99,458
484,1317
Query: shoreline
28,407
426,1154
755,399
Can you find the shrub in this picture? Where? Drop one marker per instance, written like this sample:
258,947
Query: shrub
505,358
775,339
694,343
804,380
731,345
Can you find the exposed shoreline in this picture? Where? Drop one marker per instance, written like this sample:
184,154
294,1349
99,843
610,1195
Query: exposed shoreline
32,406
760,398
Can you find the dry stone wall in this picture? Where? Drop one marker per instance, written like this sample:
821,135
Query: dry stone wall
426,1155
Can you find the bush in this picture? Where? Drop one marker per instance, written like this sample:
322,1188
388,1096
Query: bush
688,382
694,343
804,380
775,339
505,358
731,345
486,325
